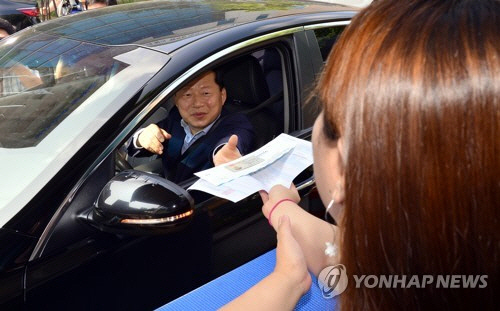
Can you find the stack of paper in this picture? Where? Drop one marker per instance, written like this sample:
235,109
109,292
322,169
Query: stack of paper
278,162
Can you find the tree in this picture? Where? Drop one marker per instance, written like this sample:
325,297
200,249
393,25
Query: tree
47,9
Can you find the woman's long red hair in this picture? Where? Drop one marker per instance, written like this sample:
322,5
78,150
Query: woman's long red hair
414,89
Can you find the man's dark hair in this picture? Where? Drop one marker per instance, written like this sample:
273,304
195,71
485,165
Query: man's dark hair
5,25
219,78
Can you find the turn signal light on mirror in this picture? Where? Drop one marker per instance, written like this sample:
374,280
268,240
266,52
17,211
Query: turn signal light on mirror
157,220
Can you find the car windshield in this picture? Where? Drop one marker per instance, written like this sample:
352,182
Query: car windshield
55,93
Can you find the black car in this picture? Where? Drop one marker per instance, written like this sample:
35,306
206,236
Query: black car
77,227
20,13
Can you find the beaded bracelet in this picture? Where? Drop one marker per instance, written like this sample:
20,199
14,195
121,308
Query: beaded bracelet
275,205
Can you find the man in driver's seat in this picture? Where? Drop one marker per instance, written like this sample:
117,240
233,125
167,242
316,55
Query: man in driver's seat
198,132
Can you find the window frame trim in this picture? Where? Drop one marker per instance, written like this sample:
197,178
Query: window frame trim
328,24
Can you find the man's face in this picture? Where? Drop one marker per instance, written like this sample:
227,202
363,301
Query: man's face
200,102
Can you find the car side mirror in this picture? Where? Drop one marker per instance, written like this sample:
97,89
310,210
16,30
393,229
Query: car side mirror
135,202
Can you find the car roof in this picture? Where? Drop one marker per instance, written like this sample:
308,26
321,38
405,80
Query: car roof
174,23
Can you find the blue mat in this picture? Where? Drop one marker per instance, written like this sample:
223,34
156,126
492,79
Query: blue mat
220,291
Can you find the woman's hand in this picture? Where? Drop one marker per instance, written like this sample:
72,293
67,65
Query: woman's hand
276,194
282,289
291,264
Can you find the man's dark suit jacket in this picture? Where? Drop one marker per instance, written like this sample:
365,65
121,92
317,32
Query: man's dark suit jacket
178,167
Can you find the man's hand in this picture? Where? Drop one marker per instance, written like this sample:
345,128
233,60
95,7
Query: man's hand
152,138
228,153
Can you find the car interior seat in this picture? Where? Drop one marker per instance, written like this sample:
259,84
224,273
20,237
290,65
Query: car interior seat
273,73
248,92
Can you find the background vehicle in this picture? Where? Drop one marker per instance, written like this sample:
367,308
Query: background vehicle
20,13
67,7
103,74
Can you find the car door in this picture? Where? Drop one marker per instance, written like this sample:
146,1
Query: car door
239,230
302,56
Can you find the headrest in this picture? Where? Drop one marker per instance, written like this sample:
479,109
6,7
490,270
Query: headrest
244,81
271,60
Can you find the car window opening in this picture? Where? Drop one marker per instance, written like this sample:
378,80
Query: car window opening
255,86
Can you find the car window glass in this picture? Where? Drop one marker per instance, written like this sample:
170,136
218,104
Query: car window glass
327,38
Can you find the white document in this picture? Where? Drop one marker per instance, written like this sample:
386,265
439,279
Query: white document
282,160
249,163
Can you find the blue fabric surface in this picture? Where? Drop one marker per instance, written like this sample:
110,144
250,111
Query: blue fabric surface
220,291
